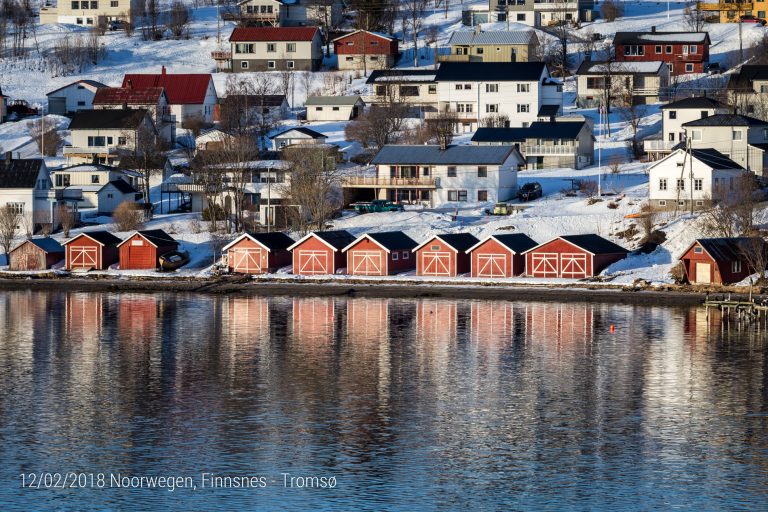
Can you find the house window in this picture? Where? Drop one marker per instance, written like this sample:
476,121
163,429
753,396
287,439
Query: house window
491,108
464,107
685,49
406,255
457,195
482,172
349,59
270,64
435,247
244,48
94,5
479,51
94,179
459,87
289,64
318,109
75,5
491,87
673,114
668,49
698,184
696,135
523,87
451,172
425,171
467,87
110,196
689,68
595,82
16,208
89,21
290,47
110,140
271,47
394,255
521,17
634,49
736,267
244,64
482,195
662,203
521,109
335,109
671,137
79,21
658,49
662,183
97,141
80,103
432,89
680,184
122,141
698,250
693,49
113,3
737,134
699,203
62,180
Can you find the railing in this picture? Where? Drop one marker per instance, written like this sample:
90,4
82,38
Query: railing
49,194
549,150
646,91
364,181
725,6
90,150
453,57
221,55
658,145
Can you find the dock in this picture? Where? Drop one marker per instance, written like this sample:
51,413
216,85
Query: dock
744,311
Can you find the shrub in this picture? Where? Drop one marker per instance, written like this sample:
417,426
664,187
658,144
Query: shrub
612,205
128,216
217,210
677,273
588,188
611,10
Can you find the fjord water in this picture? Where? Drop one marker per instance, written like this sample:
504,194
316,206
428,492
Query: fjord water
425,404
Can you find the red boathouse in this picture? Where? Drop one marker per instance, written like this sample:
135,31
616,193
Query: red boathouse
320,252
95,250
258,253
142,249
500,255
572,256
444,255
381,254
721,260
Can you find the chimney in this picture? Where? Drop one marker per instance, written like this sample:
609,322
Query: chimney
653,29
163,68
130,84
478,29
8,157
441,141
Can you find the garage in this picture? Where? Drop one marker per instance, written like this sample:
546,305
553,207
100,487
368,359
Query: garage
366,263
57,105
500,255
142,249
320,252
258,253
572,257
445,255
381,254
95,250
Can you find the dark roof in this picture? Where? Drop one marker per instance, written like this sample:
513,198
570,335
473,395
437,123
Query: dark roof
122,186
274,241
305,131
103,237
92,83
747,74
20,173
459,241
695,102
433,155
394,240
127,96
108,118
654,37
714,159
49,245
727,120
181,89
248,34
537,130
255,100
518,242
600,68
338,239
484,71
393,74
157,237
548,110
594,244
727,249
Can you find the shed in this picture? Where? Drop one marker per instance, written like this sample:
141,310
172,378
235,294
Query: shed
444,255
73,97
141,249
572,256
380,254
36,254
258,253
92,250
300,135
333,108
722,260
321,252
115,192
500,255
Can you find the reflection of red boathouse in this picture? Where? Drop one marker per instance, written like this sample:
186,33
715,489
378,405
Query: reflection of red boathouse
84,315
137,317
492,322
313,317
367,319
436,320
560,323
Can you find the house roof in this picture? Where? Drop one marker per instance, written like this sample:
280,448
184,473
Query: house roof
394,76
181,89
118,118
92,83
375,34
256,100
305,131
336,240
272,241
536,130
459,242
156,237
20,173
332,100
548,110
747,74
48,245
727,120
100,236
714,159
620,68
248,34
433,155
593,243
724,250
389,241
122,186
660,37
515,242
494,71
694,103
470,37
127,96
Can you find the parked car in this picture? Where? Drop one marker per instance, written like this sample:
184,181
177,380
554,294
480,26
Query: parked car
597,36
21,108
376,206
118,25
749,18
714,68
530,191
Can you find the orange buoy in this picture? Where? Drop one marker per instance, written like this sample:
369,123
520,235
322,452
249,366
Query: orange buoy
613,328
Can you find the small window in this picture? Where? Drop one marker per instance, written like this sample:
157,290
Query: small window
318,109
290,47
110,196
395,255
521,17
479,51
693,49
122,141
271,47
79,21
459,87
658,49
290,64
80,103
406,255
523,87
243,64
349,59
662,203
696,135
94,179
434,247
523,109
75,5
662,183
482,172
699,203
113,3
668,49
482,195
451,172
689,68
491,87
673,114
335,109
737,134
736,267
698,184
432,89
680,184
698,250
270,64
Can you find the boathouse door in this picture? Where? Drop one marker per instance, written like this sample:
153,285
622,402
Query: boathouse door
703,273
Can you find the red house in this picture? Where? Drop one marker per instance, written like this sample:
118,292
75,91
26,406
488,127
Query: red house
258,253
321,252
141,250
572,256
365,50
444,255
721,260
684,52
380,254
92,250
500,255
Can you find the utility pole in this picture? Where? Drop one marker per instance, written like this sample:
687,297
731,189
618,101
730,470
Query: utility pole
690,167
599,152
741,45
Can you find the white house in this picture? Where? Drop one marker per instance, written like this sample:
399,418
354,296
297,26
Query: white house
85,184
435,175
478,90
674,116
107,135
680,180
743,139
212,138
110,195
73,97
300,135
333,108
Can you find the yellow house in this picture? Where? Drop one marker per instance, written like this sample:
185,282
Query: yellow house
90,12
492,46
730,11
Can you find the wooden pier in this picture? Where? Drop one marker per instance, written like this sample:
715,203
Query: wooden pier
746,311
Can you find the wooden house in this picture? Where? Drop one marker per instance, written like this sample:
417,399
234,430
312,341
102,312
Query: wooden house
722,260
365,50
572,256
500,255
684,52
258,253
444,255
380,254
36,254
95,250
321,252
141,250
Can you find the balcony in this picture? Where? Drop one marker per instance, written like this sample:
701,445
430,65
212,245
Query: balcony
452,57
725,6
90,150
646,91
221,55
549,150
658,145
52,194
376,182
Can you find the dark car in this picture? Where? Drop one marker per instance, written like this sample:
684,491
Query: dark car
529,191
118,25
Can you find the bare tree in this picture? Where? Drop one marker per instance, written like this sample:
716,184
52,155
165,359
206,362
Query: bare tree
733,208
178,18
611,10
144,154
430,38
495,121
66,218
307,80
45,134
9,225
755,251
633,113
378,126
413,17
442,127
647,220
150,29
209,174
127,217
695,17
235,157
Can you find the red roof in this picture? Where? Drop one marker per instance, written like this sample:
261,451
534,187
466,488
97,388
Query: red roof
181,89
249,34
126,95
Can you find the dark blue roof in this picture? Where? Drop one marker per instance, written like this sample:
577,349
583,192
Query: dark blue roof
594,244
49,245
394,240
537,130
433,155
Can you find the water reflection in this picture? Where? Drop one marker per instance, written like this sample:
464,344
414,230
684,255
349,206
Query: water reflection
411,404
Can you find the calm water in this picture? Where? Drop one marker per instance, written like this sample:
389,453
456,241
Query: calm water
408,404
